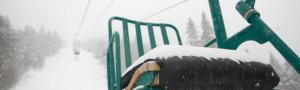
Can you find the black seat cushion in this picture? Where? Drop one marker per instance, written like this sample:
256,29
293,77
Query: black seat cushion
199,73
194,73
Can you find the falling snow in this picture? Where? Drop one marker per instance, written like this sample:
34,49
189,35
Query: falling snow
65,71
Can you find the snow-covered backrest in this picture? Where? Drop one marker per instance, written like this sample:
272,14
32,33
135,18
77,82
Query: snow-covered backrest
163,27
114,69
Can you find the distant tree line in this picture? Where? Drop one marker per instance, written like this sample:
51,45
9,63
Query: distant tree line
98,47
95,46
196,38
21,50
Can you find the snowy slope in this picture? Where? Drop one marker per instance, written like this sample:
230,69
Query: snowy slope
64,72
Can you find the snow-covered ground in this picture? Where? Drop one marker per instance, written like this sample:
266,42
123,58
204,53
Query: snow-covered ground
66,72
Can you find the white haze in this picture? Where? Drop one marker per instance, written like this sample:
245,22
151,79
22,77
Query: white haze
64,17
66,72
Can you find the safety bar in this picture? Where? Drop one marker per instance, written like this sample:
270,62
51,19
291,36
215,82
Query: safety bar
112,78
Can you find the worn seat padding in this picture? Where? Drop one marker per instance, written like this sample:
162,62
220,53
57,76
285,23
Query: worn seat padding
199,73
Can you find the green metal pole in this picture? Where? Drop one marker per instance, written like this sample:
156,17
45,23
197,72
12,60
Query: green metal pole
139,39
218,23
110,28
126,44
285,51
246,34
110,68
164,34
151,36
176,31
250,2
110,60
210,43
253,17
118,61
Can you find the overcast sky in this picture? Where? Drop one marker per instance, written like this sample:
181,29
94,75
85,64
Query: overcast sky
64,16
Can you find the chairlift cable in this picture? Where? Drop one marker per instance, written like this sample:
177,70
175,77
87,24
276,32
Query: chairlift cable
149,16
105,10
83,17
76,43
163,10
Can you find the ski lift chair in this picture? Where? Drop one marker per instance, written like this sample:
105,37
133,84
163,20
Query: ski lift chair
76,47
177,67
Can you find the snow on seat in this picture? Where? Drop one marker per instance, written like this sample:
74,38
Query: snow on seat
198,66
166,51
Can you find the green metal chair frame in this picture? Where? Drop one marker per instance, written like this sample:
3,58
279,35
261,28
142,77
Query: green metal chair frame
114,79
257,31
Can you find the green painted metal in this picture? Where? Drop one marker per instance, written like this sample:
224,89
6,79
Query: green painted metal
126,44
250,2
111,76
118,62
219,26
176,32
139,39
151,36
114,69
149,88
257,31
146,79
152,88
210,43
253,17
164,34
247,34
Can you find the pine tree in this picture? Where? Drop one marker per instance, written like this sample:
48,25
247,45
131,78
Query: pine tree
192,33
207,31
276,65
20,51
